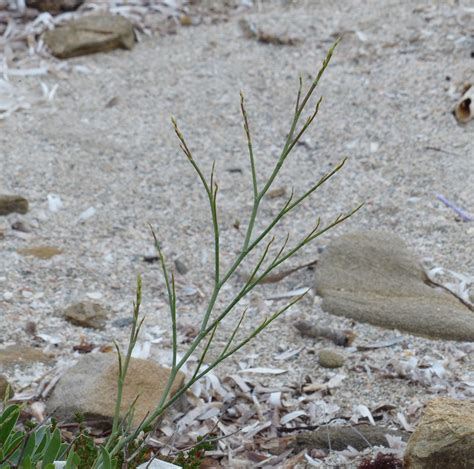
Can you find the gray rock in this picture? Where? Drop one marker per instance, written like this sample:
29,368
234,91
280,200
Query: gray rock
13,204
90,34
372,277
86,314
330,359
444,438
123,322
90,387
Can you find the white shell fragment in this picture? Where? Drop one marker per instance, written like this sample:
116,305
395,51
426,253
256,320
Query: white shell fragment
464,109
54,203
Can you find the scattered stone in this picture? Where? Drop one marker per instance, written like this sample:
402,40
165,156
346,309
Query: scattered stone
54,6
22,356
86,314
123,322
372,277
5,387
90,34
181,267
444,438
13,204
90,387
30,328
20,226
330,359
41,252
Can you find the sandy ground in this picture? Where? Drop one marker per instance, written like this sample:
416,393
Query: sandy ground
388,96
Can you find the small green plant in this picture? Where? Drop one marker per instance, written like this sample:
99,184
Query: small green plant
125,445
38,447
193,458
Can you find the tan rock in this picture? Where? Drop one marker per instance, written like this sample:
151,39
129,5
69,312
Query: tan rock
86,314
41,252
372,277
90,34
90,388
22,356
444,438
13,204
330,359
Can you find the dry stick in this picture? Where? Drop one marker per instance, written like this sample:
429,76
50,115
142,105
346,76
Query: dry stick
432,283
344,338
274,278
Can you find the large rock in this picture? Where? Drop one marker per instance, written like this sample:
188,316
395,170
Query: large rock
372,277
12,204
90,34
86,314
90,388
21,356
444,438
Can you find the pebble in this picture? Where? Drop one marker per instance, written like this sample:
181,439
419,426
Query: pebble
330,359
12,204
41,252
86,314
122,322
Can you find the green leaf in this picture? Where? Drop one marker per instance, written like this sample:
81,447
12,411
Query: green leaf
52,449
8,423
26,463
72,460
106,462
7,412
42,437
30,446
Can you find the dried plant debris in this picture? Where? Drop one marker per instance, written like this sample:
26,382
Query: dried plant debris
464,109
251,31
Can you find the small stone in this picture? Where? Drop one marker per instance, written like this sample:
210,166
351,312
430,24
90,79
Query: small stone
444,438
90,387
54,6
4,387
123,322
86,314
90,34
185,20
30,328
330,359
41,252
20,226
12,204
181,267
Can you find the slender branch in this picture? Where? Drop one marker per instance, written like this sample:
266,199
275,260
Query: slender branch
249,144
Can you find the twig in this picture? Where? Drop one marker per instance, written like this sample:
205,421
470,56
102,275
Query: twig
432,283
440,150
274,278
464,216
